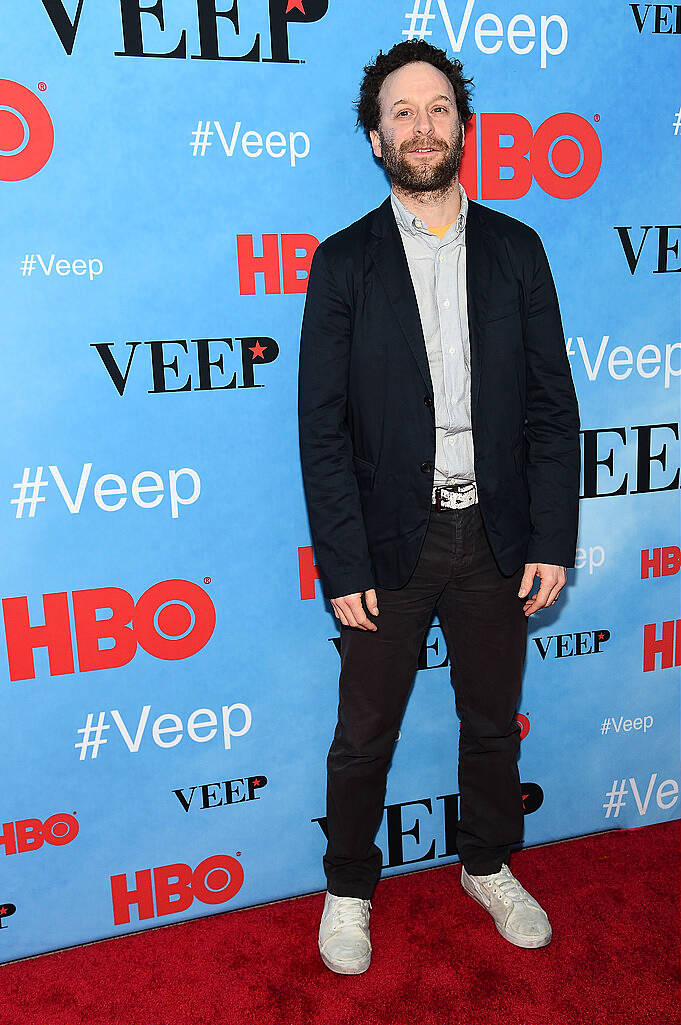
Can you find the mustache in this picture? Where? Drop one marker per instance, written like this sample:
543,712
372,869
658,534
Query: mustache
414,144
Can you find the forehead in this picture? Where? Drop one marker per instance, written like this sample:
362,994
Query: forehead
415,81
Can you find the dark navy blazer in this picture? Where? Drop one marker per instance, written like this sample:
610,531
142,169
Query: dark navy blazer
366,415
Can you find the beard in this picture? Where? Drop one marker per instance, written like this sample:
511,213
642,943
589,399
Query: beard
433,176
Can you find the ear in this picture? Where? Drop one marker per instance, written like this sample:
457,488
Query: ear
375,143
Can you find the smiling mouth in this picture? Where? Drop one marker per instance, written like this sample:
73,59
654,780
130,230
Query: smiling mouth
428,149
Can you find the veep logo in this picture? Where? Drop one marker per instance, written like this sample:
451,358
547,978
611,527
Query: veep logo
234,791
648,361
26,132
664,247
168,729
31,834
215,881
169,32
661,23
253,145
563,156
583,642
296,256
666,796
643,476
210,359
489,32
430,826
172,620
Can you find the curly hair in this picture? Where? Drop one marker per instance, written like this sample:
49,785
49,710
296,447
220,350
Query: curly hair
367,105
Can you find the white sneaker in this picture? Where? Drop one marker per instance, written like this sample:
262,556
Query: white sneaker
344,934
517,915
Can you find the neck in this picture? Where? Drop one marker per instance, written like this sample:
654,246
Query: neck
436,208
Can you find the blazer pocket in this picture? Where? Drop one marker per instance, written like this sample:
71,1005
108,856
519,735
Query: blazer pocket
365,473
506,309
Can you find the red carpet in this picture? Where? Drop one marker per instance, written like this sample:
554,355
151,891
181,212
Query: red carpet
438,960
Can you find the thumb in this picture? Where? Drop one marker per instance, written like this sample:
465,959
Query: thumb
528,580
372,604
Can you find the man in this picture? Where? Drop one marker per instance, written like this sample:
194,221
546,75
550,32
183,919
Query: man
440,451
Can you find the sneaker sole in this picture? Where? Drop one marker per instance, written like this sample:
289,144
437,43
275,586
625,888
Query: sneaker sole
355,968
527,942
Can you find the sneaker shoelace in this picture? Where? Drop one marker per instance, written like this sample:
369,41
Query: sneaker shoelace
507,886
350,911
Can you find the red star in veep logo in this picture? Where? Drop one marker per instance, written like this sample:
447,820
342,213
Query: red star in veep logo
294,5
256,782
601,636
257,350
3,911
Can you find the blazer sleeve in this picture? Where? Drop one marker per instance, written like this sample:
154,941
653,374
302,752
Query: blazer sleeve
551,425
334,507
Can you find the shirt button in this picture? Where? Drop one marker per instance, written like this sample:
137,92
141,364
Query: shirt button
441,257
419,224
445,303
452,350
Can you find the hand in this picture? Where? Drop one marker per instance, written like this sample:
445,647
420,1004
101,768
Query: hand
552,581
350,612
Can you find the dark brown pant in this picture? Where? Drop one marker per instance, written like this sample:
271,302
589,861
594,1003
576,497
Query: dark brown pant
486,633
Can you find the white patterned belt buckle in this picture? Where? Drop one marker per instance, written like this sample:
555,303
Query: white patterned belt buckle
458,497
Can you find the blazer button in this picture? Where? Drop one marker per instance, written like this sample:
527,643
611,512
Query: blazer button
428,401
426,467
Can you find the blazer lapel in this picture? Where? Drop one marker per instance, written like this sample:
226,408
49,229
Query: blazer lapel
479,275
387,252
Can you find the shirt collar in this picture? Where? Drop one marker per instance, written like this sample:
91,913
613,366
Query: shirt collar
413,225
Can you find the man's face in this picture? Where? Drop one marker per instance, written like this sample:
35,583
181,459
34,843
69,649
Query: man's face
420,136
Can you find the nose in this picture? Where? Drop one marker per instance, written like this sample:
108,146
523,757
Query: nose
423,124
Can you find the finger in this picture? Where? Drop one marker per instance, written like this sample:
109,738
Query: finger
542,595
348,614
556,586
359,616
348,609
555,591
528,580
371,601
532,604
341,615
529,608
343,610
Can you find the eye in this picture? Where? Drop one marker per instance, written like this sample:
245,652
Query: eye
401,112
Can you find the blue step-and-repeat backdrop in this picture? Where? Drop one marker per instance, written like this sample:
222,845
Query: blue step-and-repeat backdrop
168,665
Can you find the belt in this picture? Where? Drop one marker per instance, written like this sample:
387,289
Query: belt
456,496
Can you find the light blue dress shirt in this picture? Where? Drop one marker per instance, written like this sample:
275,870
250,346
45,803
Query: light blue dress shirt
438,273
